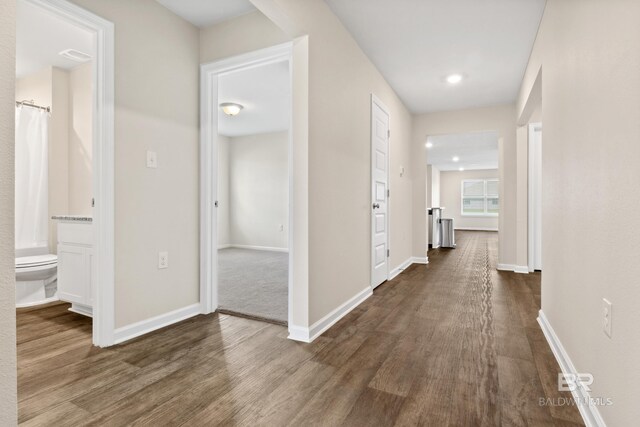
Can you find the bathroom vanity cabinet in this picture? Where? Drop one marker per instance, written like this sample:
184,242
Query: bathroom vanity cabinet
76,262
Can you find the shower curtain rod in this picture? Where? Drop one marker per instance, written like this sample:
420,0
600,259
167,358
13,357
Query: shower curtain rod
31,104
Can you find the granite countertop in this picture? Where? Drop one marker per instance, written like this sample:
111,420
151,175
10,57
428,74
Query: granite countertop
76,218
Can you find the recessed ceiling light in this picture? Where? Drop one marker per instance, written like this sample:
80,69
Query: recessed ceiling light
429,144
454,78
461,169
231,108
456,159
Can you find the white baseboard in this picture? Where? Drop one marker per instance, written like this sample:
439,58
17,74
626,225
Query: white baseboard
145,326
589,413
412,260
300,333
523,269
259,248
475,229
419,260
224,246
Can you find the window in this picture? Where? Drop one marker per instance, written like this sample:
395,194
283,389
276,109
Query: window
480,197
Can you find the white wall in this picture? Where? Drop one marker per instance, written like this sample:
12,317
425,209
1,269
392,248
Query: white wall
501,119
341,81
433,187
80,140
259,190
589,53
8,369
451,199
156,108
224,202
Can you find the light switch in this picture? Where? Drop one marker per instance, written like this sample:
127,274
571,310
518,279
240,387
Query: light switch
152,159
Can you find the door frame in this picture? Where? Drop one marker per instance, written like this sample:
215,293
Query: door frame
533,128
209,74
376,101
103,161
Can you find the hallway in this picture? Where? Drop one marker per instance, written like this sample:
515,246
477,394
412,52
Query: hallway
451,343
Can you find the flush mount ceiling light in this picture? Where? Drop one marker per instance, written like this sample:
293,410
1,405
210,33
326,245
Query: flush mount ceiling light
454,79
429,144
75,55
461,169
456,159
231,108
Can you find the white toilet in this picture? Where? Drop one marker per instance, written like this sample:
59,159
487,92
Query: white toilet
36,274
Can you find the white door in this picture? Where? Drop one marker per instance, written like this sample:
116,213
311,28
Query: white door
535,196
379,192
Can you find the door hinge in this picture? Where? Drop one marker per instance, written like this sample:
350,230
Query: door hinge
389,133
388,193
215,203
93,202
387,253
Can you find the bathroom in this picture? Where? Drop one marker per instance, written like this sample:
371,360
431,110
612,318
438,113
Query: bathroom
54,141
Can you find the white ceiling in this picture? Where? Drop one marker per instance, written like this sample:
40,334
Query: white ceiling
416,43
204,13
265,93
40,36
476,150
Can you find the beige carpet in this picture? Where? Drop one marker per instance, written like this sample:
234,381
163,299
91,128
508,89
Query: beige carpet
254,283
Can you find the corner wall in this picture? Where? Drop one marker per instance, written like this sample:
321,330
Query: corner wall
589,53
156,109
341,81
8,368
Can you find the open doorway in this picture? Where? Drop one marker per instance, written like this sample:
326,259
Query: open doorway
250,113
64,170
535,197
462,184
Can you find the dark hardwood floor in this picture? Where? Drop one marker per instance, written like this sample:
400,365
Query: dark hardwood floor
454,343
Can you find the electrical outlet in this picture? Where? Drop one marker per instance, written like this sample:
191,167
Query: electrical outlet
163,259
606,316
152,159
281,227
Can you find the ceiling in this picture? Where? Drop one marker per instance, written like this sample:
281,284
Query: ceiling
416,43
41,35
203,13
476,150
265,93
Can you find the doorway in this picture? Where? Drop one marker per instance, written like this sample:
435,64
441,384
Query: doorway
380,134
246,185
64,115
535,197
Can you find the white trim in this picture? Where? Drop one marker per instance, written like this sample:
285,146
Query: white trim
208,166
408,263
524,269
145,326
299,333
257,248
81,309
375,100
225,246
399,269
533,127
103,281
590,414
475,229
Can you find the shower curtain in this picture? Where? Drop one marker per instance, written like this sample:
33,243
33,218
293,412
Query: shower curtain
32,191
